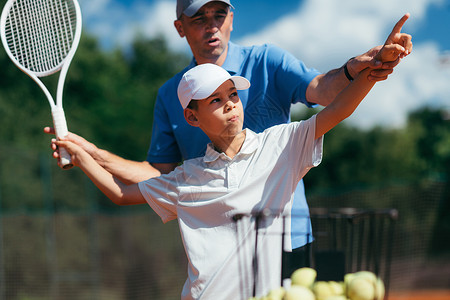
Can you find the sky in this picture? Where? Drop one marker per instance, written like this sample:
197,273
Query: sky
324,34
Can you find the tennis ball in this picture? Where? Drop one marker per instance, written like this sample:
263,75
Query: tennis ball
303,277
336,287
322,290
348,278
380,289
276,294
367,275
340,297
364,285
297,292
361,288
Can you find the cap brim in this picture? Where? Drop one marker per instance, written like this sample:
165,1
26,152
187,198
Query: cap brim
241,83
194,7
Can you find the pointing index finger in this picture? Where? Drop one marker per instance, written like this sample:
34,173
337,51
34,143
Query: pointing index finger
398,27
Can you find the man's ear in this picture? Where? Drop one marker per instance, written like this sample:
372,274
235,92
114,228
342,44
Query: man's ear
190,117
179,27
231,16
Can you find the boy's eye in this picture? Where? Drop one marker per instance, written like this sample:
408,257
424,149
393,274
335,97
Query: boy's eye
215,100
234,94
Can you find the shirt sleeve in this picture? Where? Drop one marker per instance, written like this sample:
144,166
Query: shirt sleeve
163,145
291,76
298,149
305,149
162,194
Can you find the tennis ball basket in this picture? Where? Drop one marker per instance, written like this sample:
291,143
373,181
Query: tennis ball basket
347,254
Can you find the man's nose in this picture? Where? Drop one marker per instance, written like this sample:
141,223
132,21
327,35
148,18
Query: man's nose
212,25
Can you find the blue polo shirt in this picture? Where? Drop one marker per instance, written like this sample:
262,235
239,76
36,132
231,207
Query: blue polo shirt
277,78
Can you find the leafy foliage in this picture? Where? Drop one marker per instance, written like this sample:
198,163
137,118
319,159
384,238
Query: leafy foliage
108,99
355,157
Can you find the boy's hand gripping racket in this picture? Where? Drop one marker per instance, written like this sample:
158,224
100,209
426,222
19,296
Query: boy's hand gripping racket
41,37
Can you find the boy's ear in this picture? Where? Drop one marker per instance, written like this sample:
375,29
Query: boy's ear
190,117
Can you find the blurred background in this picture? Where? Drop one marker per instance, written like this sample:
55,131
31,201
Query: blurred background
61,239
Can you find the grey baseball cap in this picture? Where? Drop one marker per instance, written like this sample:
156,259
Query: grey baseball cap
190,7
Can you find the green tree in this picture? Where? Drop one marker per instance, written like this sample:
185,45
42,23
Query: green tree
108,99
355,157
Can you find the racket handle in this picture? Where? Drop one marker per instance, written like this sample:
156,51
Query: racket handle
60,124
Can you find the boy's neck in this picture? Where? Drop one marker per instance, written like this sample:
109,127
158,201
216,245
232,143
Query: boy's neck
229,145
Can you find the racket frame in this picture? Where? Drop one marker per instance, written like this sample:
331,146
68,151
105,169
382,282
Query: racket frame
58,115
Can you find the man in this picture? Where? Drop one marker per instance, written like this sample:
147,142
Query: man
278,79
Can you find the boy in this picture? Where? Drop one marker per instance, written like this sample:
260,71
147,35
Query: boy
242,172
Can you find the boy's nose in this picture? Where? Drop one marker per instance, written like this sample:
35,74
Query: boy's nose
230,105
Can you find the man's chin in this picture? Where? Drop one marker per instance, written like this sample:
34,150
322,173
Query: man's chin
214,53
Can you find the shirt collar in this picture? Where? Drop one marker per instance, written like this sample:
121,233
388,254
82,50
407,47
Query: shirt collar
251,143
232,61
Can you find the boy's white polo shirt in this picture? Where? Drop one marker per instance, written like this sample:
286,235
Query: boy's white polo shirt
205,193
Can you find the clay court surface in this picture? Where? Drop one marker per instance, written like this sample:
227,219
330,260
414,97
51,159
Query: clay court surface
420,295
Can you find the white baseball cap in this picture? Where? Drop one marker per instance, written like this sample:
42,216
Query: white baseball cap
190,7
201,81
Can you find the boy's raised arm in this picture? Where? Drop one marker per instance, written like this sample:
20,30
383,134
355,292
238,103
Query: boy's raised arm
350,97
344,104
114,189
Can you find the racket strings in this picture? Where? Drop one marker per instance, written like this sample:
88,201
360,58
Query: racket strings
40,33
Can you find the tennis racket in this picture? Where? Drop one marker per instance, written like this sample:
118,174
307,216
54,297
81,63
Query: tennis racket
41,37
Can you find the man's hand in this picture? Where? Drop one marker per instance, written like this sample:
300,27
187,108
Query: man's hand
399,38
383,68
74,138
